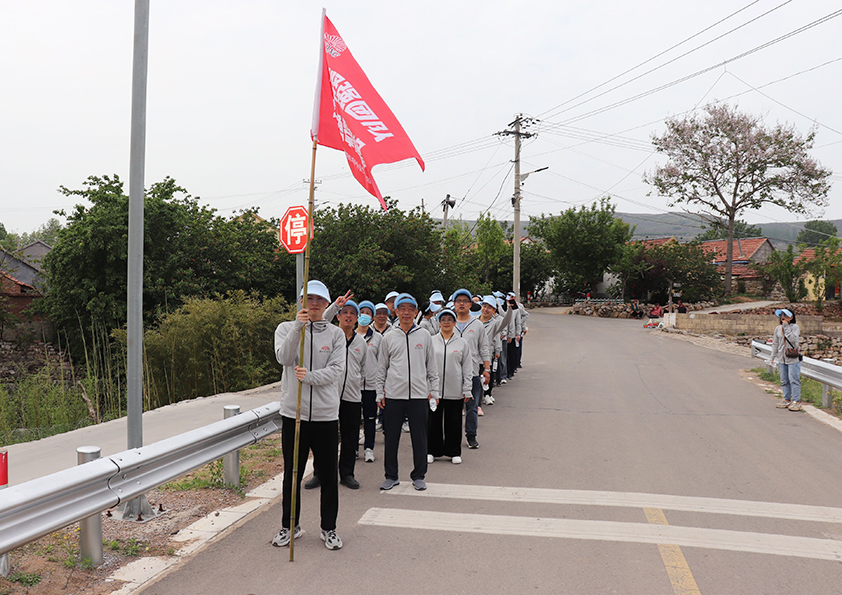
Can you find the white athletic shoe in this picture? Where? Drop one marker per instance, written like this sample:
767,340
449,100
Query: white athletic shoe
456,460
369,455
430,459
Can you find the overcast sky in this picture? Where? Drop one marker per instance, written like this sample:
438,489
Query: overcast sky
231,89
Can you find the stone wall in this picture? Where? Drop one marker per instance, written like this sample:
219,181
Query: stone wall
624,310
742,324
20,360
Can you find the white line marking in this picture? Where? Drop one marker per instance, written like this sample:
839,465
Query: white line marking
798,512
761,543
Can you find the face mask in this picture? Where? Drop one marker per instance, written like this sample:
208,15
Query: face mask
364,320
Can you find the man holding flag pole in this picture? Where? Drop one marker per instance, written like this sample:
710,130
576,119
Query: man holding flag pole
350,116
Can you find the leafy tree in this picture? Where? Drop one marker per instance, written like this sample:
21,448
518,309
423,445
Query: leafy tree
373,252
687,264
631,264
825,266
536,269
583,243
46,232
457,264
491,247
815,232
188,251
783,268
719,231
726,162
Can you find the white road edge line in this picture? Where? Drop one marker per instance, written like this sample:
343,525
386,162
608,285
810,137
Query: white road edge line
798,512
719,539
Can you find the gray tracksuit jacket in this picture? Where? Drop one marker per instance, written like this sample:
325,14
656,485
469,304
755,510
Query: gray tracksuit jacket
406,365
454,365
495,328
324,358
474,334
373,340
356,351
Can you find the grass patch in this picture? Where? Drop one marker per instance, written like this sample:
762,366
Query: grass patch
811,391
27,579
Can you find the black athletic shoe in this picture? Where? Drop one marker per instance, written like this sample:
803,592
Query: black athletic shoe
349,482
312,483
472,442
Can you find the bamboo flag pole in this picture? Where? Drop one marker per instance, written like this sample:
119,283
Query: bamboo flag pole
294,498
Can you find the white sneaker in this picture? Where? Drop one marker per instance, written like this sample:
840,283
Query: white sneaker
369,455
504,381
331,539
282,539
405,427
487,400
430,459
362,437
456,460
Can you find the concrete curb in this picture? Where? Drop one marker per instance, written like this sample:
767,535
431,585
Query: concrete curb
141,573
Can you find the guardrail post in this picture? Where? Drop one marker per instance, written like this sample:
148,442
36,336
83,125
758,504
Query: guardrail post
231,461
4,483
827,400
90,528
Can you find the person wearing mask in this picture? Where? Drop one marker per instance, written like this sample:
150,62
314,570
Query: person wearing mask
319,373
473,331
786,353
455,370
407,381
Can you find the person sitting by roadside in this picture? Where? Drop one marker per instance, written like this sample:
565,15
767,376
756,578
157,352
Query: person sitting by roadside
656,311
681,308
636,311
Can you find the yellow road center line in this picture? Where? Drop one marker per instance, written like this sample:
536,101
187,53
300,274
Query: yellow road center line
678,570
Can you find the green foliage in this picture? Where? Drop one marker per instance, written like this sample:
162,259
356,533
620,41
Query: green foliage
825,267
27,579
583,243
536,269
726,162
630,265
210,346
815,232
783,268
718,231
188,252
373,252
687,264
491,247
130,548
40,404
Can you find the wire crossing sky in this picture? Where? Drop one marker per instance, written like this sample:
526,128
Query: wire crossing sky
231,92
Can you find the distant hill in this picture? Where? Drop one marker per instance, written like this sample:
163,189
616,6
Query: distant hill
685,226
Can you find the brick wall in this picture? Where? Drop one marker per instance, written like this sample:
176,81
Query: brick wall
742,324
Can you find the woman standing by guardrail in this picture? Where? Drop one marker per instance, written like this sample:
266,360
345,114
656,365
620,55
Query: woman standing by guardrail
787,354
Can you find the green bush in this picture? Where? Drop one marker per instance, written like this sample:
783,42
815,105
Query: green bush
40,405
211,346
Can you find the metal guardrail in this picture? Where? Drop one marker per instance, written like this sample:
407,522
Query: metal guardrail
829,375
36,508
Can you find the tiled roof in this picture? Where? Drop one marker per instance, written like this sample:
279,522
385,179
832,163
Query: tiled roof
742,249
650,243
809,254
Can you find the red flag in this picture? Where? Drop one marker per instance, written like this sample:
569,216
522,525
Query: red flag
350,116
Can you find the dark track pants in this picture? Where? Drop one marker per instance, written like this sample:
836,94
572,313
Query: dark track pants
349,436
445,435
394,412
321,437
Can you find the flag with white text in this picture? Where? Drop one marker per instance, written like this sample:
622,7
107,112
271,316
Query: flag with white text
349,115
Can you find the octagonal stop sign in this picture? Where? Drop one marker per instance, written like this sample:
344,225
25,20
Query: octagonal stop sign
292,231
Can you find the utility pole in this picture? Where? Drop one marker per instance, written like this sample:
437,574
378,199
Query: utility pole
518,134
447,203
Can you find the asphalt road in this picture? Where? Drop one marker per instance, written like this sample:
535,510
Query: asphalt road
619,460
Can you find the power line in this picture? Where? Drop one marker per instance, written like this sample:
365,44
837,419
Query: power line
676,58
650,59
688,77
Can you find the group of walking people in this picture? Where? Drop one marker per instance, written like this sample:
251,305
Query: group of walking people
396,365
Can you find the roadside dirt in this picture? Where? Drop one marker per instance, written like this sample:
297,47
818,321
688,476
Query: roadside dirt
51,565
